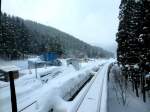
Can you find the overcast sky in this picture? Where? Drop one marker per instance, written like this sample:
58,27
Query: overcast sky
93,21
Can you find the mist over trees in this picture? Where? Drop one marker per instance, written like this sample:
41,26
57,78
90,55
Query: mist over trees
23,37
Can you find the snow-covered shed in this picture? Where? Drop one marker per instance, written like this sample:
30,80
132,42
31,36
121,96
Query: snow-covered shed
4,72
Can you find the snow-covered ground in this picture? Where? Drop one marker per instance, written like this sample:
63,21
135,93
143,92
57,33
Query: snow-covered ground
49,89
22,64
45,91
116,98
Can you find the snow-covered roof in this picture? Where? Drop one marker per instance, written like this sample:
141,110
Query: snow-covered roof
9,68
35,60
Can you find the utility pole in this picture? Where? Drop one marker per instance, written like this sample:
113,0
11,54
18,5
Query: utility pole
36,70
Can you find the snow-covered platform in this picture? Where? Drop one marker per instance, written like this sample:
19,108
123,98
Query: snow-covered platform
95,99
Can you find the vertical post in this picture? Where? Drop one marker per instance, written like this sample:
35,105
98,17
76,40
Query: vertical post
13,92
144,94
126,79
108,73
136,88
143,88
132,82
36,69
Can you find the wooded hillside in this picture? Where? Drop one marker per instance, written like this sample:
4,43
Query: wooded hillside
23,37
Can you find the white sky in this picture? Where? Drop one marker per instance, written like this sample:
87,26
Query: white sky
93,21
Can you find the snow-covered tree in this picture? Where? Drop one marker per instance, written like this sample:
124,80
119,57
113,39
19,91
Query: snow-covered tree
130,27
133,39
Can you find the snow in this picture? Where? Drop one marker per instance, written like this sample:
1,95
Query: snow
96,93
35,59
103,106
9,68
65,83
48,89
51,87
3,84
115,99
136,66
127,65
147,75
144,26
22,64
141,35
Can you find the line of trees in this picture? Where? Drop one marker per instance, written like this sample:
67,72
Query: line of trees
11,45
133,39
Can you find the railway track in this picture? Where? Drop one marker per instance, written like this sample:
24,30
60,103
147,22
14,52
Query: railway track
96,97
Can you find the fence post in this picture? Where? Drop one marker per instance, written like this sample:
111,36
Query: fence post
13,92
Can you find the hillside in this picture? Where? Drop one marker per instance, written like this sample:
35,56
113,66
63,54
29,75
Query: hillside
30,37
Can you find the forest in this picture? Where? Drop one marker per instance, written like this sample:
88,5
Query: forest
20,38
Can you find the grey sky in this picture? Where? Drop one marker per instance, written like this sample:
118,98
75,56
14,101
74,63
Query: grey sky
93,21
